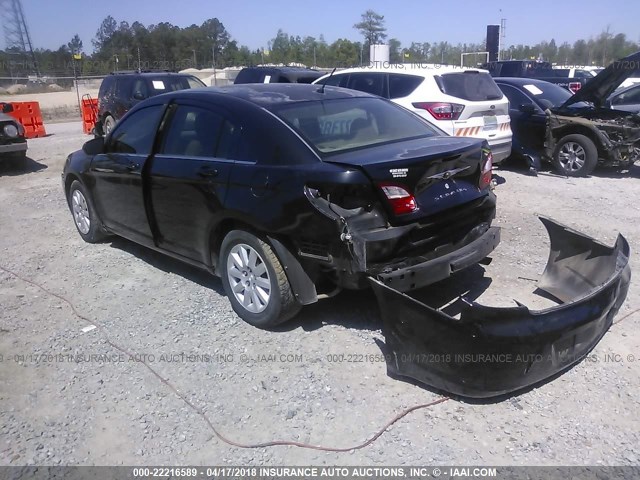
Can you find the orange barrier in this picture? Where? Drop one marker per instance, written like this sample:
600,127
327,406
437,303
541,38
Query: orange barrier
29,115
89,113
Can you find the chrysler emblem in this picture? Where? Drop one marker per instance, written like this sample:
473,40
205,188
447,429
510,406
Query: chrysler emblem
449,173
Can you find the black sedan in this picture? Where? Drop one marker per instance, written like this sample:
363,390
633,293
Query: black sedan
286,190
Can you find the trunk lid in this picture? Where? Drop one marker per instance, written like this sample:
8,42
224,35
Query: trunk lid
440,172
598,89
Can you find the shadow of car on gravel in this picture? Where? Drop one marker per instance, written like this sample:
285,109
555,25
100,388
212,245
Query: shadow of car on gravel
358,309
168,264
8,167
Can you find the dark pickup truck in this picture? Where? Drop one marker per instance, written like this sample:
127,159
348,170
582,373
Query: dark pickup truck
534,69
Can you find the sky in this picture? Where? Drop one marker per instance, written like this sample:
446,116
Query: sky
254,22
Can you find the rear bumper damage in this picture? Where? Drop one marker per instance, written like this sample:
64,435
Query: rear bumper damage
491,351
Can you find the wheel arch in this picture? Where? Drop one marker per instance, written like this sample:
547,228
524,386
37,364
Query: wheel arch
69,179
303,287
592,134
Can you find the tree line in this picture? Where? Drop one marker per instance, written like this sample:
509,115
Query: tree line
163,46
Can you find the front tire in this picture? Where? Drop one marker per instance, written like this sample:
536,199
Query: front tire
255,281
575,156
84,214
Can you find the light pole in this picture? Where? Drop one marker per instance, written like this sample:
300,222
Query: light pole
213,63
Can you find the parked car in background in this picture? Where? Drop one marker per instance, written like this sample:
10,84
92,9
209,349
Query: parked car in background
13,144
277,75
627,99
539,71
579,71
281,189
575,132
122,90
460,102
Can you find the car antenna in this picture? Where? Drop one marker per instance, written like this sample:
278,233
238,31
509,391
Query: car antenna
324,84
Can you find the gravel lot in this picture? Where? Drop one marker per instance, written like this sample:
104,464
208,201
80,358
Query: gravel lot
54,411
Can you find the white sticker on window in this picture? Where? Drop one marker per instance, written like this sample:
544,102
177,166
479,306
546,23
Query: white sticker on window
267,79
158,85
533,89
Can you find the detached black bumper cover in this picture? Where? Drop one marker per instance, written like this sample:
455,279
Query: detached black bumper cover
492,351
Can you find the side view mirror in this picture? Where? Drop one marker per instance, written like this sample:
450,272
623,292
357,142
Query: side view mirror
94,147
527,108
139,96
7,108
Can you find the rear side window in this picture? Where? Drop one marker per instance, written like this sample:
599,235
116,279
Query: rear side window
106,87
140,87
368,82
123,87
472,86
193,132
403,85
136,133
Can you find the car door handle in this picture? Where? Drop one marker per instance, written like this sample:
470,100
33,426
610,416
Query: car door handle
133,166
208,172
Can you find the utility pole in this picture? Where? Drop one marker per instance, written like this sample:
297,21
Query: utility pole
76,56
195,63
16,32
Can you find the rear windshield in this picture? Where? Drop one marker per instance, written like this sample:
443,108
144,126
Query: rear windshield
472,86
170,83
332,126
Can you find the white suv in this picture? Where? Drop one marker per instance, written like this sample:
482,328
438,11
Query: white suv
460,101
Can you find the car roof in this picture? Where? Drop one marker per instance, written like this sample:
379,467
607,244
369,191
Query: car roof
268,95
425,69
150,74
283,69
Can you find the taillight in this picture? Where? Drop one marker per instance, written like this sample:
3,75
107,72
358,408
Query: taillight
487,166
575,86
400,199
441,110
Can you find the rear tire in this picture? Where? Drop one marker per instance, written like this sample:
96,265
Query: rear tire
575,156
109,123
255,281
84,214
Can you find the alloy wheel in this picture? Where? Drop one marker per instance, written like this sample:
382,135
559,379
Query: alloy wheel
572,156
249,278
80,212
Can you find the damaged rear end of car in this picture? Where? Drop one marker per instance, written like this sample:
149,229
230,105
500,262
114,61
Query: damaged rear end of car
426,213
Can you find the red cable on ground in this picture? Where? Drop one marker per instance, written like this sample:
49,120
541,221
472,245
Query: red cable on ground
204,416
